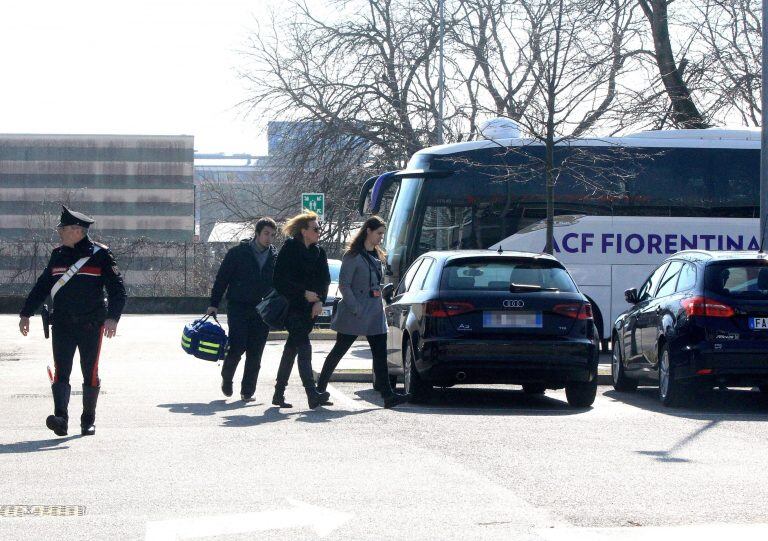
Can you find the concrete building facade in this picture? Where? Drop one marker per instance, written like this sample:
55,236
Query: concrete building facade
135,186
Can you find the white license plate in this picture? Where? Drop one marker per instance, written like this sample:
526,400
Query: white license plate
512,320
327,312
760,323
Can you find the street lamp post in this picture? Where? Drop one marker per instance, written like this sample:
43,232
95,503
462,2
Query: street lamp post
764,135
441,73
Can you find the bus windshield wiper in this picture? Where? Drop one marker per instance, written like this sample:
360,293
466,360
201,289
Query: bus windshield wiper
513,288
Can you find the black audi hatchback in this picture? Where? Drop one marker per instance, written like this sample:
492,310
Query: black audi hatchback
700,320
479,316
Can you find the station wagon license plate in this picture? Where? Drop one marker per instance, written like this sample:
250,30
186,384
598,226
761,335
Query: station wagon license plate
512,320
758,323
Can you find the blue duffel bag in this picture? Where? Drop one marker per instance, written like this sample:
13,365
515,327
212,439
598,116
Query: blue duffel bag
204,339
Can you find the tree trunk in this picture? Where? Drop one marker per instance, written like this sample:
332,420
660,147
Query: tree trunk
685,114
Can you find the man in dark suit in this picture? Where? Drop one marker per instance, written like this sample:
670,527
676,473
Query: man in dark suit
246,275
76,275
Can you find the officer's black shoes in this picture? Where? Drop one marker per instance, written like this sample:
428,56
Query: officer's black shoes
226,388
395,399
57,424
316,398
279,400
88,418
246,397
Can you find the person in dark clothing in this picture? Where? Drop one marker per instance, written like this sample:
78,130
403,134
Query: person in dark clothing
361,310
246,275
302,276
75,278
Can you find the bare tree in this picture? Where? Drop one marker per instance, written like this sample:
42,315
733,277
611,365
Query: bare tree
684,112
727,36
579,54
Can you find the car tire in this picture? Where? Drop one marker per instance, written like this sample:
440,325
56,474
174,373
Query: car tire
534,388
671,391
621,382
412,382
581,394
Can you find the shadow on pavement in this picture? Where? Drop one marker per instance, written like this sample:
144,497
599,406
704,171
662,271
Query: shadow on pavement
495,401
34,446
716,405
203,409
274,414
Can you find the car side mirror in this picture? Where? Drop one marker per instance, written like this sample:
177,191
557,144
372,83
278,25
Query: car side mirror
387,291
631,295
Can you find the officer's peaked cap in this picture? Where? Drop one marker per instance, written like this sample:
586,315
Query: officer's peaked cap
70,217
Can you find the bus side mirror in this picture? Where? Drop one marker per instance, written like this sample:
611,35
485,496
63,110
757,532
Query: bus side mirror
631,295
387,291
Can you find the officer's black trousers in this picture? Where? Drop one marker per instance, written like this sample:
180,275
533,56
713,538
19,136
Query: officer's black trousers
378,344
247,334
298,325
67,336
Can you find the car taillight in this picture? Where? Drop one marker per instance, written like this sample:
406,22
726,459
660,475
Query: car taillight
704,306
574,310
448,308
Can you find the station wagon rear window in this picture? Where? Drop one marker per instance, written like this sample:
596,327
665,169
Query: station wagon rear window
744,280
498,274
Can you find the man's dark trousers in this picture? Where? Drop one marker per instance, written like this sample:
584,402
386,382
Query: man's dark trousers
247,334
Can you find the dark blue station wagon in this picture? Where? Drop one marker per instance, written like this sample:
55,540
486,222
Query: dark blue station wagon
699,321
480,316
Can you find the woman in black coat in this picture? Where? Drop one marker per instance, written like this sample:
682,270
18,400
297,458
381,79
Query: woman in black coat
302,276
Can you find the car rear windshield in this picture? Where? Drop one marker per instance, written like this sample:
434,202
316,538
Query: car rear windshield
497,275
745,280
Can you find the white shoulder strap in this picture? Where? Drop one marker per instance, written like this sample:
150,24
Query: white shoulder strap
71,271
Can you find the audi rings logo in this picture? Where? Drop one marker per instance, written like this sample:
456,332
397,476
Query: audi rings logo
513,303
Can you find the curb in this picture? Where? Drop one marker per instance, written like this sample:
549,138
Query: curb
365,375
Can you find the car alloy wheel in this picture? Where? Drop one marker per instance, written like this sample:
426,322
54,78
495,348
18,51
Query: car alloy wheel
620,380
671,391
412,382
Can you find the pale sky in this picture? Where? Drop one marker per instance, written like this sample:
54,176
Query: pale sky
130,66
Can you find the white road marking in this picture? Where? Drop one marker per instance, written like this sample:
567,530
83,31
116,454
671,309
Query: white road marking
301,515
699,532
340,399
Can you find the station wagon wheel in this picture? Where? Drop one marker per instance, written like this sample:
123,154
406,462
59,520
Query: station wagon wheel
581,394
671,391
412,382
620,380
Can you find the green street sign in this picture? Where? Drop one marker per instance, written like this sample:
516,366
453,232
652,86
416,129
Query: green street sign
314,202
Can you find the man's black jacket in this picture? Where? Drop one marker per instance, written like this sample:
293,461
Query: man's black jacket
241,277
299,269
82,298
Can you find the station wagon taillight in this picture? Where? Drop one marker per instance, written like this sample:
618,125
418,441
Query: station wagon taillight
704,306
448,308
574,310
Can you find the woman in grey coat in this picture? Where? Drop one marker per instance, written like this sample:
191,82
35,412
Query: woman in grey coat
361,309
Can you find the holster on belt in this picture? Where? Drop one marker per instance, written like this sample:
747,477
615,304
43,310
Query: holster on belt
45,314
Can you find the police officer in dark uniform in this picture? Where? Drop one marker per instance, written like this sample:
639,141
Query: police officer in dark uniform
75,277
246,275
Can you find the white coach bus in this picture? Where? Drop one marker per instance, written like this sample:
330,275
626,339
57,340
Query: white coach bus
622,205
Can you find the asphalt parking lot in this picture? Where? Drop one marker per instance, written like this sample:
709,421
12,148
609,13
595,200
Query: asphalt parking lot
174,459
